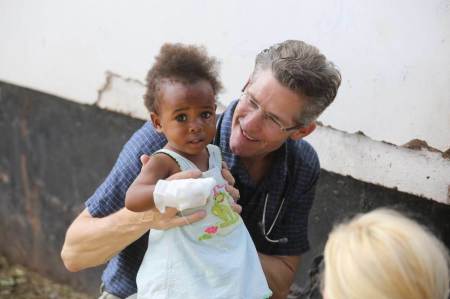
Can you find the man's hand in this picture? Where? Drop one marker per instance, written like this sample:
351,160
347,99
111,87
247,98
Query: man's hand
234,192
91,241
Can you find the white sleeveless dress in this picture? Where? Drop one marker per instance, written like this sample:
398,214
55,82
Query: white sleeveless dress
214,258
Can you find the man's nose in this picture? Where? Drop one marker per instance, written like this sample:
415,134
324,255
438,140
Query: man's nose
253,120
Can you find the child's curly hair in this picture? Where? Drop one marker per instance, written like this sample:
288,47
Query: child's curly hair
187,64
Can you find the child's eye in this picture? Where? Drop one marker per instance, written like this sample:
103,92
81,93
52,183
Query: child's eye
181,117
206,114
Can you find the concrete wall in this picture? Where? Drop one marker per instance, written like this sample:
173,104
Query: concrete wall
393,57
57,152
414,168
92,56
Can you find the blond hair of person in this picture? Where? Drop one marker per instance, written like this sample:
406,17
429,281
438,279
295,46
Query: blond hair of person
381,255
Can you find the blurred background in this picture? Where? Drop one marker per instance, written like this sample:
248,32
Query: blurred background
72,79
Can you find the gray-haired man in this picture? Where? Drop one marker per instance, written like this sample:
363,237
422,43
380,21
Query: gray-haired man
261,137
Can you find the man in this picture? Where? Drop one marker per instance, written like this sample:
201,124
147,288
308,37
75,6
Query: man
261,140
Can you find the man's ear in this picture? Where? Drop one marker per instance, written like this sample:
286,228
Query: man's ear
303,131
154,117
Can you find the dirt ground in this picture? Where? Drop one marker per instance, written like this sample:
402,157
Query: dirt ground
17,282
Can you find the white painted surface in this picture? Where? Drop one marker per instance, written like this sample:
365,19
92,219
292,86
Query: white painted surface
121,94
422,173
419,172
394,56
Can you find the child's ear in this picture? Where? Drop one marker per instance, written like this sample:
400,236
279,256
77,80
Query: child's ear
154,117
303,131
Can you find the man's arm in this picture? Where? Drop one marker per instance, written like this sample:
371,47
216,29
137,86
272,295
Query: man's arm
280,272
92,241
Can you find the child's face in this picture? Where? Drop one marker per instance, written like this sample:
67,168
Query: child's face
186,115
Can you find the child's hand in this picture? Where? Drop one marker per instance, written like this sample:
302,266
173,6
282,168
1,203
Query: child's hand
170,219
234,192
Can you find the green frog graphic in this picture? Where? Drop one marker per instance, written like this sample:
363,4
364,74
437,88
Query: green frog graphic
222,210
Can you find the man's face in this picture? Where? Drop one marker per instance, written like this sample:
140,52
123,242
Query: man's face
254,133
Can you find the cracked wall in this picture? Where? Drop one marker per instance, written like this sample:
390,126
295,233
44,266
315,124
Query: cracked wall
395,88
54,154
415,167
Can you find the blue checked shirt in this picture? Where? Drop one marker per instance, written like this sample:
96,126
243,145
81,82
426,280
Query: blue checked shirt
293,176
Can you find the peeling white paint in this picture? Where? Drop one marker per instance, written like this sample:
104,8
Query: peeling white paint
419,172
393,56
123,95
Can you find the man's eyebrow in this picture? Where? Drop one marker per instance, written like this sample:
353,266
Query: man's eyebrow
266,112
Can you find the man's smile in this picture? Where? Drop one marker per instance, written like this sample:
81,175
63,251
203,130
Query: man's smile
247,136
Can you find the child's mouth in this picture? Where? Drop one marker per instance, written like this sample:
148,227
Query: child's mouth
196,141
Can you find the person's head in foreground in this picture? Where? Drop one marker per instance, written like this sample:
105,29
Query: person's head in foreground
384,255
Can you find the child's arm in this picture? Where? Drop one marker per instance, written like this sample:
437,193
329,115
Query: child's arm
139,196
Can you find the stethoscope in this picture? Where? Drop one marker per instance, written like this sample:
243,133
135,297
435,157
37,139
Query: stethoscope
262,224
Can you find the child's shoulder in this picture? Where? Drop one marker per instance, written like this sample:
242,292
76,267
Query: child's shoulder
162,162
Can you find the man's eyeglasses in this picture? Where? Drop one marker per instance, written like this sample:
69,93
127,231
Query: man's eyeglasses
270,121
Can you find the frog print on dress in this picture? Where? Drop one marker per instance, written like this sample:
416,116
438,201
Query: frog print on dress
227,219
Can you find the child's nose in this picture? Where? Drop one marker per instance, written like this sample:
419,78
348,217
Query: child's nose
195,126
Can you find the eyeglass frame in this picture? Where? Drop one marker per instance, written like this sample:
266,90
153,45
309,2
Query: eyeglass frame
258,106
